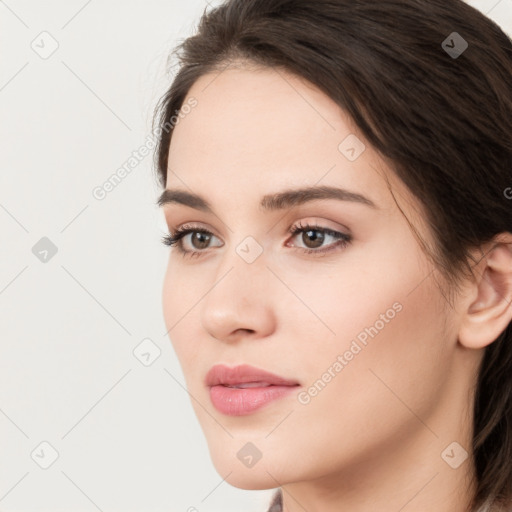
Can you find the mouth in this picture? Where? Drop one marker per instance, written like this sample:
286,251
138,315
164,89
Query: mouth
244,389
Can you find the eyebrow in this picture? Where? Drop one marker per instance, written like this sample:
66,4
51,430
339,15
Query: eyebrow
270,202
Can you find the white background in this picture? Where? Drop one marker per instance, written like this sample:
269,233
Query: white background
126,435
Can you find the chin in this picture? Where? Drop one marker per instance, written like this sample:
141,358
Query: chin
237,468
250,479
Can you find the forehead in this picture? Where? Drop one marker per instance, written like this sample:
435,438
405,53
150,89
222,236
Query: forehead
259,130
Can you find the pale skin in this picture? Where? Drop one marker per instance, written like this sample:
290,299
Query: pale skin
373,438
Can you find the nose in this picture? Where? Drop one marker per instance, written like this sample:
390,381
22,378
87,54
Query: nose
240,301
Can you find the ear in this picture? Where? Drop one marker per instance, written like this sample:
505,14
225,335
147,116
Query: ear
489,308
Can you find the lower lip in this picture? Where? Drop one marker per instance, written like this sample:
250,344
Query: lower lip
240,401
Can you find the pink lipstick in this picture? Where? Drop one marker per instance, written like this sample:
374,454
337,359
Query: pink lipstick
244,389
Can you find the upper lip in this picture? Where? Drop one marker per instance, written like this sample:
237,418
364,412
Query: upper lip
222,374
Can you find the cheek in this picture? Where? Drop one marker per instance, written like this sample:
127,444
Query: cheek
387,318
179,296
379,296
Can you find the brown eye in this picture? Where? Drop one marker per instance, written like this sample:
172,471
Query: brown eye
200,239
314,237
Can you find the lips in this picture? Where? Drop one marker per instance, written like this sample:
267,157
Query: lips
244,376
245,389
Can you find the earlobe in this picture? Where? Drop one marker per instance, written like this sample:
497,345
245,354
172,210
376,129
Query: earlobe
490,309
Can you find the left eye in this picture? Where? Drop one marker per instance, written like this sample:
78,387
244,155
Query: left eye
310,235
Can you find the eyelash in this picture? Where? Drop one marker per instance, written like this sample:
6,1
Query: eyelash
175,238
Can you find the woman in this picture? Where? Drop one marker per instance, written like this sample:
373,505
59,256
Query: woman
338,193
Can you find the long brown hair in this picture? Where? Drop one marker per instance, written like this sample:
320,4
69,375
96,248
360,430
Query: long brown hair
429,84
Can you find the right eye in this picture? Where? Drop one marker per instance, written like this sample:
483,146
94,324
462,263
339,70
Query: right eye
201,236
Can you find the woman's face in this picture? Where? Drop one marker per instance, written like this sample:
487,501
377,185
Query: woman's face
360,327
